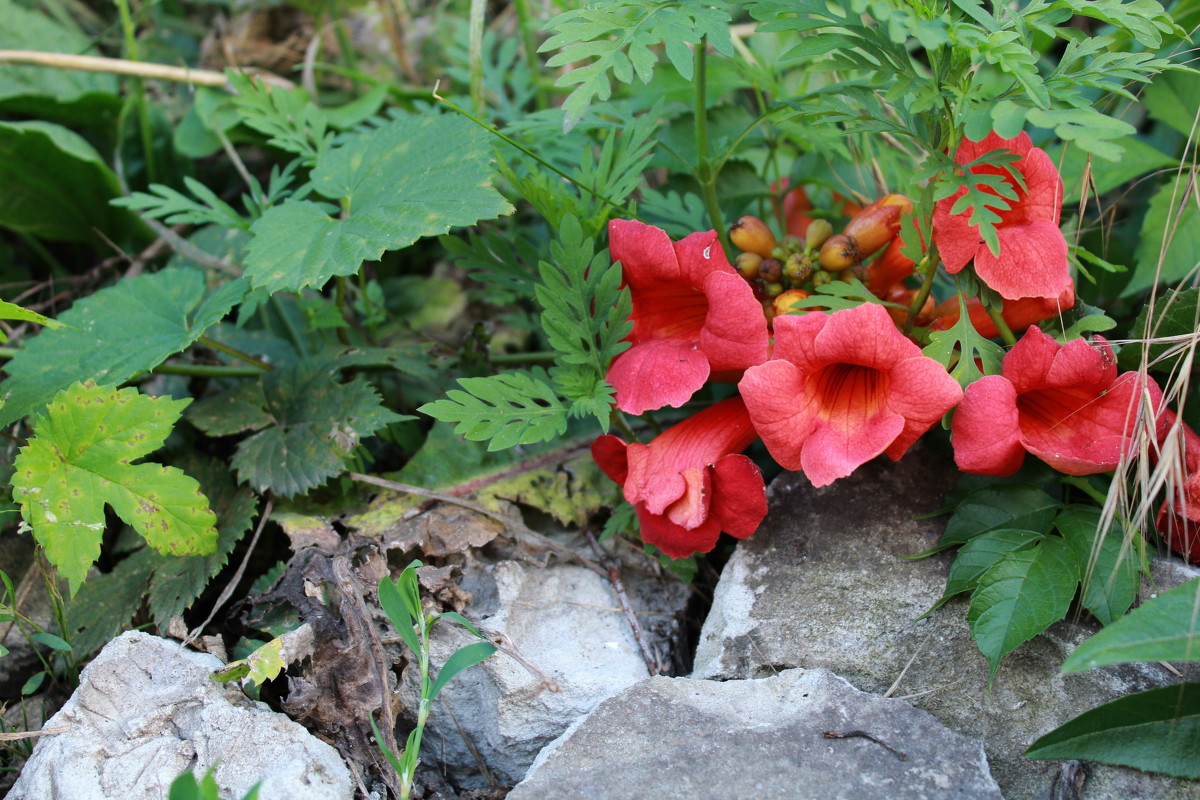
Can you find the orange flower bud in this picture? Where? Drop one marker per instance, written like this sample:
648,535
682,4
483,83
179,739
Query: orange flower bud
747,265
905,297
891,267
784,302
838,252
878,223
752,235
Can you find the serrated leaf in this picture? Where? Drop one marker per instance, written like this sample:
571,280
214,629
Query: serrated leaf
317,422
57,187
979,554
1174,315
107,603
1020,596
505,410
1164,628
262,665
462,658
79,459
115,333
1155,731
1170,233
413,177
1091,130
1110,574
1016,506
12,311
960,346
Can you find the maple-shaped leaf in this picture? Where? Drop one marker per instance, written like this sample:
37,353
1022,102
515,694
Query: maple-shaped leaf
126,328
79,459
307,424
411,177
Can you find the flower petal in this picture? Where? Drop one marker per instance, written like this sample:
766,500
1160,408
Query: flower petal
735,331
956,238
1032,261
676,541
780,408
657,373
645,252
691,510
851,437
651,480
985,429
609,453
699,255
921,392
739,498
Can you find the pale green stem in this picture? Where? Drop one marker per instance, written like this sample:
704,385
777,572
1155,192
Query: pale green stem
706,176
143,111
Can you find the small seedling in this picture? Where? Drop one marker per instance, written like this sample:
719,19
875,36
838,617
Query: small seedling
401,601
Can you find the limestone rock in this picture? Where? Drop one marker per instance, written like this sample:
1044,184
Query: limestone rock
564,620
758,739
146,710
822,584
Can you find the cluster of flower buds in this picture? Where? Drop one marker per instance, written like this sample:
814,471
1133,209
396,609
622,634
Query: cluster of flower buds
786,271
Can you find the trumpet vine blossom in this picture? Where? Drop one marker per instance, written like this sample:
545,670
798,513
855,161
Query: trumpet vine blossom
841,389
689,483
1065,404
1032,261
693,316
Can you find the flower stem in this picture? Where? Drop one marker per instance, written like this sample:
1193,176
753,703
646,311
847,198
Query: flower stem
1005,332
143,111
931,264
706,176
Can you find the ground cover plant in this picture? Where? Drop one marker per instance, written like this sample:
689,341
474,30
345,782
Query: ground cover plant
621,262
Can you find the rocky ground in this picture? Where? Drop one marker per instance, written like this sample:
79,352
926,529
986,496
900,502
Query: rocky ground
815,676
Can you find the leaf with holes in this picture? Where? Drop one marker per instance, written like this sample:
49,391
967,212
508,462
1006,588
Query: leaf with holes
79,459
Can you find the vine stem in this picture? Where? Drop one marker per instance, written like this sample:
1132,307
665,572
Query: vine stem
931,264
529,45
233,352
706,176
1005,332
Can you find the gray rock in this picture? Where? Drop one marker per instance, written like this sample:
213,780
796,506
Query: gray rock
758,740
565,621
822,584
146,710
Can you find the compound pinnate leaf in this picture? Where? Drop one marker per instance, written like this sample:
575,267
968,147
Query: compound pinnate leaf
413,177
316,422
505,410
119,331
79,459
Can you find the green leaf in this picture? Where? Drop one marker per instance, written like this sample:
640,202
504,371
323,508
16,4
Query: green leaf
107,603
1173,315
507,409
52,641
1144,20
57,187
1170,233
1110,574
288,116
262,665
12,311
463,657
316,423
392,601
1165,628
1091,130
1137,159
72,95
79,459
620,37
115,333
979,554
176,208
1156,731
1018,506
837,295
454,616
958,348
1173,98
409,178
1020,596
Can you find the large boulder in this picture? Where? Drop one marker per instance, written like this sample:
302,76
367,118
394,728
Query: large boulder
823,584
764,739
566,622
146,711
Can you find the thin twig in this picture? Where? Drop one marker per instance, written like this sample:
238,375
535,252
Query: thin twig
518,528
614,576
189,250
227,592
141,69
18,735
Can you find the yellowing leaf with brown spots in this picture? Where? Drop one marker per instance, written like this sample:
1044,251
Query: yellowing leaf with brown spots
79,459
